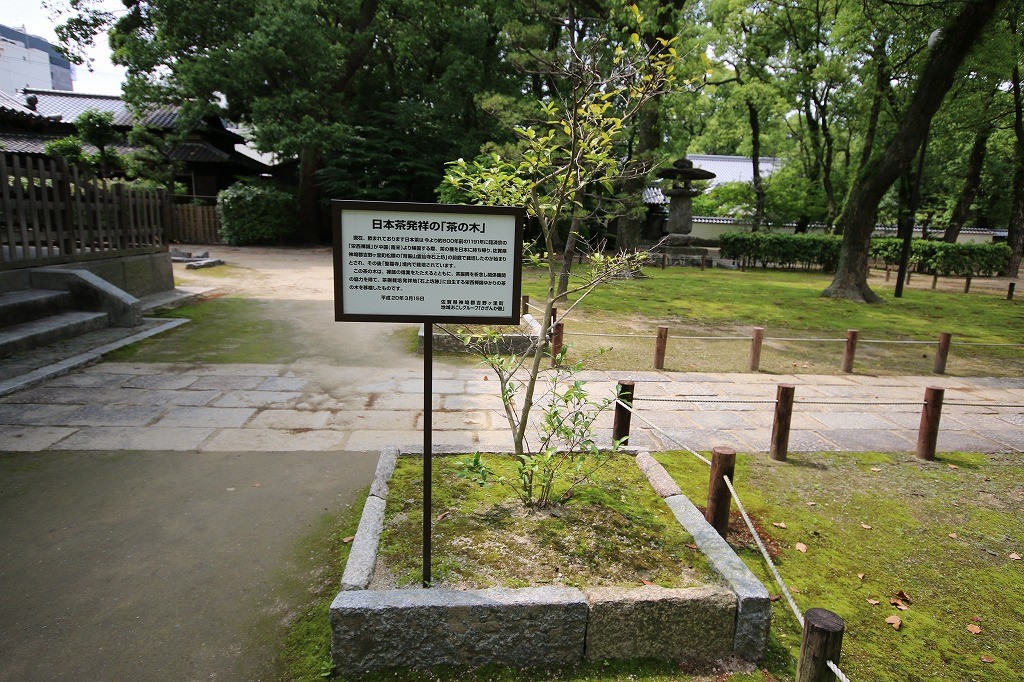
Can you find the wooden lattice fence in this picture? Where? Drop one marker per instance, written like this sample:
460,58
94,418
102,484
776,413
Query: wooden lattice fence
51,212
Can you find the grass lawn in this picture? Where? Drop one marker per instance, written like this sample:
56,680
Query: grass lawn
787,304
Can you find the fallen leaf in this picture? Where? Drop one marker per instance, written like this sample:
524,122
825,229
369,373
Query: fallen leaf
894,621
774,598
812,504
875,469
973,629
954,536
795,590
898,603
486,378
349,539
865,526
779,524
801,547
692,546
443,515
257,485
1015,556
987,659
904,596
953,466
976,619
874,602
861,576
646,582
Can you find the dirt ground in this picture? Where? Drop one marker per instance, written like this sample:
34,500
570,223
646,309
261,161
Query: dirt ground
296,286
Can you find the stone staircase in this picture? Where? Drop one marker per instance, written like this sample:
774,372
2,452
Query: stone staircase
44,306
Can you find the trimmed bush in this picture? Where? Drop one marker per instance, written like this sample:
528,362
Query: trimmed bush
822,250
256,214
783,250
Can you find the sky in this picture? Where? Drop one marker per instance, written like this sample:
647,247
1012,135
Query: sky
104,79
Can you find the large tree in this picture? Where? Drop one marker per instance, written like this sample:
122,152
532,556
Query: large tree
886,165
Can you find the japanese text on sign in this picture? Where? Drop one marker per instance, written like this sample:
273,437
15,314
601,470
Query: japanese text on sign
406,264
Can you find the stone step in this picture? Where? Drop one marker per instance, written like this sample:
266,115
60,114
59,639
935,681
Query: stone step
26,305
35,333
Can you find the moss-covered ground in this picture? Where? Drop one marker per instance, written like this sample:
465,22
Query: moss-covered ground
613,532
223,330
944,533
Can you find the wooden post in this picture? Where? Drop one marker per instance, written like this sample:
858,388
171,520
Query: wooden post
967,285
756,338
524,304
822,642
620,426
1009,291
928,434
942,353
664,260
888,273
851,350
723,465
935,280
660,346
556,343
703,262
783,417
554,316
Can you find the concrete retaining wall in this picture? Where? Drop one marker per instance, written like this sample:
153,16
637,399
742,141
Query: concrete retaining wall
374,629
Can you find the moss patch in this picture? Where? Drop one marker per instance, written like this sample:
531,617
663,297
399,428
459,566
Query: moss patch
616,532
223,330
941,532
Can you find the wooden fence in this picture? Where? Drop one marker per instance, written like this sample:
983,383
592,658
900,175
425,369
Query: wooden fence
53,213
196,224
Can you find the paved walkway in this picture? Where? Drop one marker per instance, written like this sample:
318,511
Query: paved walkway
244,408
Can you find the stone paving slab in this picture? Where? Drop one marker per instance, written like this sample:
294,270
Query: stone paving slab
306,406
32,438
134,438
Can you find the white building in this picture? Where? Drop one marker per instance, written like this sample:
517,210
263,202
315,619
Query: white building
28,61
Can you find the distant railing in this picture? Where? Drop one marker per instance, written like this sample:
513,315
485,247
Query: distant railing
194,224
53,213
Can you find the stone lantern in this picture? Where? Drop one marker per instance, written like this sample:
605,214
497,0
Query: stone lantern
680,208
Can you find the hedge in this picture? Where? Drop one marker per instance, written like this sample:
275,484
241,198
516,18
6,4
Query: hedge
255,214
822,250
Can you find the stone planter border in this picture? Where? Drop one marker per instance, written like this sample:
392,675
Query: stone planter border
373,629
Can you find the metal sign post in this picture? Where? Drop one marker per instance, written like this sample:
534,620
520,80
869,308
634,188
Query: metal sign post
427,263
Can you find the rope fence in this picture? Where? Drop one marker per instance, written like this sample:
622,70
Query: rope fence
943,343
820,644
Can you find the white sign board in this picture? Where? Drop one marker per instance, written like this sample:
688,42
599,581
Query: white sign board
427,262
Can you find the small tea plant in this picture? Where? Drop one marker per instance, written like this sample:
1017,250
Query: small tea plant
563,172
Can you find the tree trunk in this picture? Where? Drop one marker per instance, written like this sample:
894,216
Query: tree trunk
851,278
755,157
1015,230
972,183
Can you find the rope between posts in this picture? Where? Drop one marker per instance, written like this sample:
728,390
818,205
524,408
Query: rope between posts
764,552
1010,405
839,673
750,525
743,401
639,416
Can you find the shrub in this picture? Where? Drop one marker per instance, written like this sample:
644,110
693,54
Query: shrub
783,250
255,214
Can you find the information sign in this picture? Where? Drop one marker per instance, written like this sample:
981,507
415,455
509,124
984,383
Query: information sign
405,262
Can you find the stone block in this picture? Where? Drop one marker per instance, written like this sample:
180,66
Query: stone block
363,556
753,606
659,479
661,623
422,628
385,469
